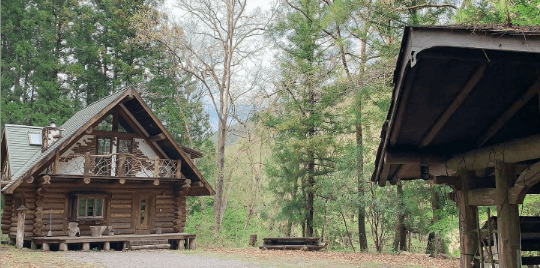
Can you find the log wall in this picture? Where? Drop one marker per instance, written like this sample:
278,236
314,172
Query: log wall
7,214
27,195
50,207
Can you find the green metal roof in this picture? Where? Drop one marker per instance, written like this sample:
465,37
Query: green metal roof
69,128
20,150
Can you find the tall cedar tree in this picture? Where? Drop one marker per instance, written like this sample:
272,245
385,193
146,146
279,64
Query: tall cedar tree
305,125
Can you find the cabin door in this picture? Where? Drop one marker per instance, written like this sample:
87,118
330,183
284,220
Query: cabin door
142,213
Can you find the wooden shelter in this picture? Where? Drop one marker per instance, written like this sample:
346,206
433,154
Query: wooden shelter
111,167
465,112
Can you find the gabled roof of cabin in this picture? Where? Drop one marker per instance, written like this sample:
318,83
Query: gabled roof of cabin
458,89
132,104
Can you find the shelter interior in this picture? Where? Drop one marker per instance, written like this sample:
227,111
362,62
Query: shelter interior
465,112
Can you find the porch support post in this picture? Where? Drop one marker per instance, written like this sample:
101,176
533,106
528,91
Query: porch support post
192,245
45,247
86,246
509,240
107,246
19,239
468,223
63,247
181,244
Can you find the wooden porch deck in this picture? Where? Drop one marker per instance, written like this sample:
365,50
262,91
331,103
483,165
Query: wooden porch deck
130,241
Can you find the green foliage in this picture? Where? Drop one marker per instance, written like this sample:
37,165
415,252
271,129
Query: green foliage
506,12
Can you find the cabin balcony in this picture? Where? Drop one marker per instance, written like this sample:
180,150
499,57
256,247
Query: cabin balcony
120,165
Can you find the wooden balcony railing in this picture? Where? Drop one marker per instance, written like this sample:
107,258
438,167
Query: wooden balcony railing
118,164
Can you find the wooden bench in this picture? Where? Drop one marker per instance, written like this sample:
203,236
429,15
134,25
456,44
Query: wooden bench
292,243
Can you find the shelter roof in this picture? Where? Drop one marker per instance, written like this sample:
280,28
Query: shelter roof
458,90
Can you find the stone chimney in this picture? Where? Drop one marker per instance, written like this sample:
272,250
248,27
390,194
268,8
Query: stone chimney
50,135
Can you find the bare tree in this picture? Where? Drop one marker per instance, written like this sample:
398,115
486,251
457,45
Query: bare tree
218,43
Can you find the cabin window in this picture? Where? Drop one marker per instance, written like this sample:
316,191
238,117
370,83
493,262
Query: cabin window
89,207
34,138
103,146
143,211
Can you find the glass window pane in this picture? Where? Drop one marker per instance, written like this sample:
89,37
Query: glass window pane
143,209
104,146
90,208
99,207
82,206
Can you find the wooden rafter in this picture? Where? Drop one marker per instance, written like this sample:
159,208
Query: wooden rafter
454,105
401,109
132,121
508,114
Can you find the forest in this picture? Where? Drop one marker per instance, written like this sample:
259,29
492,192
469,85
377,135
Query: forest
285,99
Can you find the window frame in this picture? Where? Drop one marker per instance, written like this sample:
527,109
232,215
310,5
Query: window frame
86,197
38,136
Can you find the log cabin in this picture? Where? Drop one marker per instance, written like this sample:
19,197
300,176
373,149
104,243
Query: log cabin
113,167
465,112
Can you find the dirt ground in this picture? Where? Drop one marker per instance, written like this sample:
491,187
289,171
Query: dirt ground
213,257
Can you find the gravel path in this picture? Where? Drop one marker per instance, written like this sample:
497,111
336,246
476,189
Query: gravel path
162,259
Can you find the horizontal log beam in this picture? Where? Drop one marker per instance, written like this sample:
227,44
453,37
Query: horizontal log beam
394,157
158,137
106,177
509,152
111,134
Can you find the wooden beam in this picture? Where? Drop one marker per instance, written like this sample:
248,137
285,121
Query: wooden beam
158,137
508,232
402,105
526,180
483,197
130,119
454,105
508,114
115,119
110,134
400,173
393,157
384,173
510,152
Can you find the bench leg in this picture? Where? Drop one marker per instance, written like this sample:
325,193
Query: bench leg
62,247
107,246
192,245
45,247
181,244
86,246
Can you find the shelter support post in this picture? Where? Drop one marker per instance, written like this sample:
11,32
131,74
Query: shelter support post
468,224
508,231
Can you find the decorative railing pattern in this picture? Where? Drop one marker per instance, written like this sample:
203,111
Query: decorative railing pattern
119,164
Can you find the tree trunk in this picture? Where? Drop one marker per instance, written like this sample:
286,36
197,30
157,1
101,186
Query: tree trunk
435,244
362,239
218,198
400,239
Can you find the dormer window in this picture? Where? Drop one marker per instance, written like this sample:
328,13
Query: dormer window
34,138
